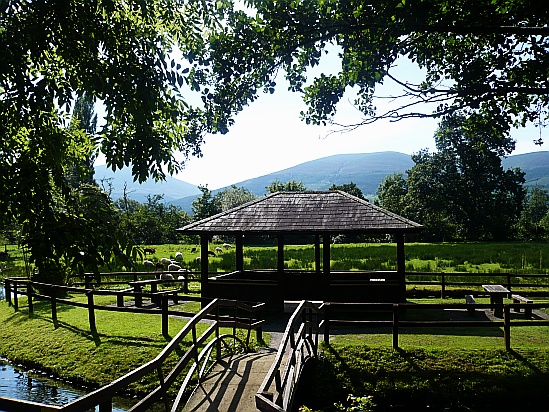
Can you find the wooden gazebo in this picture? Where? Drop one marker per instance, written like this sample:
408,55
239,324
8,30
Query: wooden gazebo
321,214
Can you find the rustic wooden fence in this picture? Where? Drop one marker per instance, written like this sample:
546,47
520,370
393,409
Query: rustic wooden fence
159,299
194,362
444,279
337,314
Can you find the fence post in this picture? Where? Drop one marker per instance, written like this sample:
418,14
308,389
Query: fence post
442,286
395,326
91,311
164,314
326,323
53,304
507,326
7,288
15,300
29,297
508,281
87,281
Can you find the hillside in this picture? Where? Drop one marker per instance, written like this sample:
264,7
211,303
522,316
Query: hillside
536,166
171,188
366,170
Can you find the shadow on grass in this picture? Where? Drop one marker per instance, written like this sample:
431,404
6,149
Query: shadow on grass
525,361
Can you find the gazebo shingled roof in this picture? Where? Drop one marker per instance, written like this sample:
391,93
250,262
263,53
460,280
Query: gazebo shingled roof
298,212
322,214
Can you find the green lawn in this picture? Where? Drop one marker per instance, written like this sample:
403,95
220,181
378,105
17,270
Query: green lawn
69,350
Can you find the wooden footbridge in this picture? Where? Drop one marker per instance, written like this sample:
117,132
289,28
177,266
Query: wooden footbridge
226,378
238,381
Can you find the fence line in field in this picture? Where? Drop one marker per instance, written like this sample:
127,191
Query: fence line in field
334,309
54,293
510,279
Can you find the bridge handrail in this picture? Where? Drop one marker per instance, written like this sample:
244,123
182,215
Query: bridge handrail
301,335
106,393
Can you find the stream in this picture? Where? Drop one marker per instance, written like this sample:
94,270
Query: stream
32,386
17,383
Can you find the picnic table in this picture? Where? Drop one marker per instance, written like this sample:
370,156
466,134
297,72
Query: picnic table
140,284
497,293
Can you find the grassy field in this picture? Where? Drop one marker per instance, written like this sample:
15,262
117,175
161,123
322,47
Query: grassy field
439,368
470,257
515,257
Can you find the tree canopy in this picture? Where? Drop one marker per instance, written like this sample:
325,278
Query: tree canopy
168,72
289,186
461,191
486,56
118,53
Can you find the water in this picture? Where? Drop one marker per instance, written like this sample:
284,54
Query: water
16,383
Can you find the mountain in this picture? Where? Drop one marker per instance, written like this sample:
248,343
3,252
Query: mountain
366,170
171,188
535,165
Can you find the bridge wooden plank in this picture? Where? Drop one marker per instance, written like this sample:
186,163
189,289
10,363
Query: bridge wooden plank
232,384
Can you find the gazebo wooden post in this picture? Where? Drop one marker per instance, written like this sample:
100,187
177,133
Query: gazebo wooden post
280,254
239,252
280,266
204,266
317,254
326,265
401,266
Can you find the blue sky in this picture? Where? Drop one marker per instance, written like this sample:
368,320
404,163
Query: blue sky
269,136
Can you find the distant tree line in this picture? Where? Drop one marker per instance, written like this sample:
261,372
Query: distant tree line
462,192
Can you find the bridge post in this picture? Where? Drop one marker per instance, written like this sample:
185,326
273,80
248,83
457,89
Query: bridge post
106,406
165,329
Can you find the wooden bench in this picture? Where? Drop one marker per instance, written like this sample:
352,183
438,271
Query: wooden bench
120,296
522,299
470,301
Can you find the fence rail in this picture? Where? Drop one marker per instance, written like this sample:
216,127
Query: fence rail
509,280
14,287
197,356
334,315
